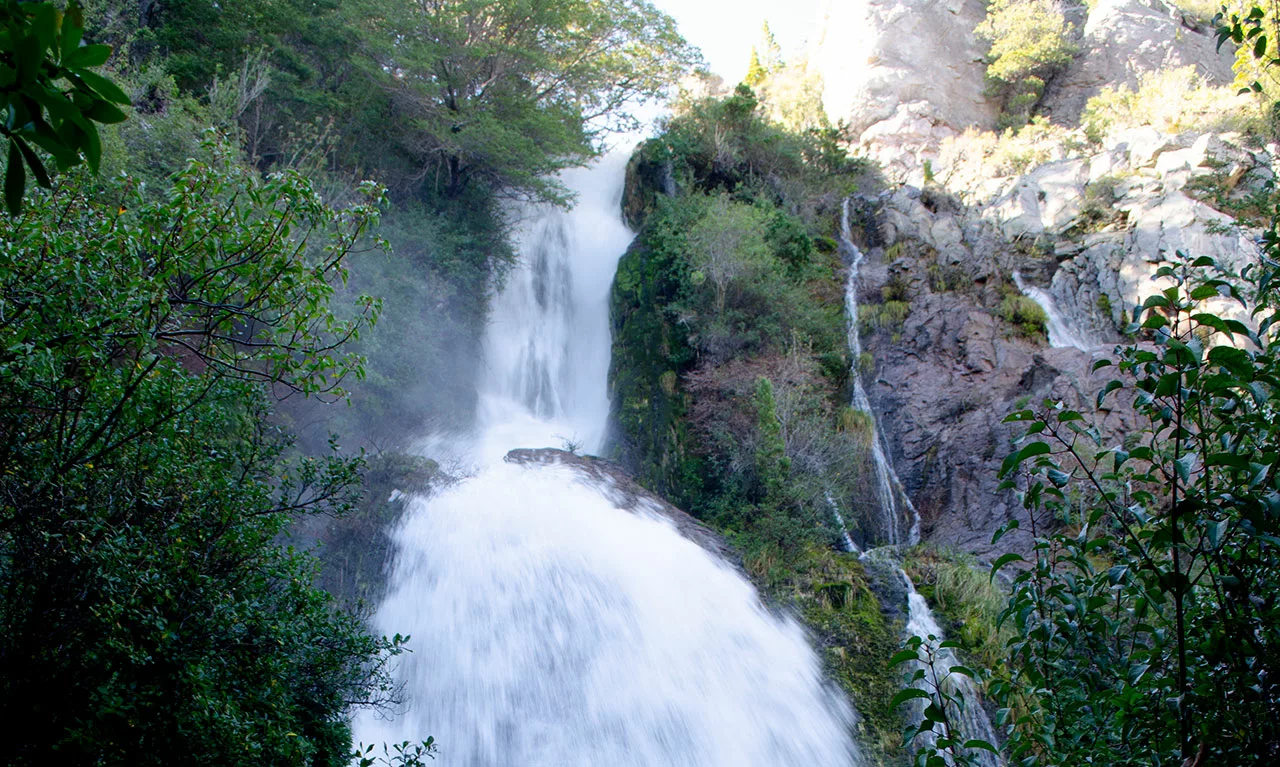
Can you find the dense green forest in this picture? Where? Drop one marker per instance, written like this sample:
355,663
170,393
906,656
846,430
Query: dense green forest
192,268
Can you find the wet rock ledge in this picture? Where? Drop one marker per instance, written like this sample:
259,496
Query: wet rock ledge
626,493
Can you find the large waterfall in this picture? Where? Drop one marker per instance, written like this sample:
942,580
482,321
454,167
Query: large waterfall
550,627
895,508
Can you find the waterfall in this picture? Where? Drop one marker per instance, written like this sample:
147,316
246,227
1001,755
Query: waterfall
846,540
973,721
1061,334
893,501
550,627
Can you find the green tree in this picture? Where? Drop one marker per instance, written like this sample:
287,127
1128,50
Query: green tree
756,73
772,464
727,245
50,95
1029,43
150,611
503,94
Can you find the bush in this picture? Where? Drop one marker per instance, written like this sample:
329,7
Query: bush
151,613
1029,43
1172,101
1025,315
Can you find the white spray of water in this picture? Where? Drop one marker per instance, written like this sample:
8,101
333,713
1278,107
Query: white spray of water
894,502
1061,333
550,627
971,721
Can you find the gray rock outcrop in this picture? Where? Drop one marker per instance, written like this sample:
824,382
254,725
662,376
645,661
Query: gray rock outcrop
904,74
1122,41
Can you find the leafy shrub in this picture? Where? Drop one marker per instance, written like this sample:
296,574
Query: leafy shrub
889,315
1025,315
151,613
1173,101
1029,43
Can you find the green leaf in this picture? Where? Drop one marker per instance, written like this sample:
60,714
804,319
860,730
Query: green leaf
1004,560
903,656
1030,451
104,87
980,744
15,181
33,162
87,56
910,693
72,28
1217,530
105,113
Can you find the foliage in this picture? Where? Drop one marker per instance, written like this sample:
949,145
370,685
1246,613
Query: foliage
834,594
772,463
933,682
1145,624
886,315
51,94
504,94
151,613
727,246
1029,43
1025,315
726,143
1165,578
959,589
1171,100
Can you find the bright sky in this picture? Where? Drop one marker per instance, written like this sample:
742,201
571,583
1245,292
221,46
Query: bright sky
725,30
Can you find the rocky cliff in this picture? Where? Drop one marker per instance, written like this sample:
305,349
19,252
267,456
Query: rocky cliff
1135,156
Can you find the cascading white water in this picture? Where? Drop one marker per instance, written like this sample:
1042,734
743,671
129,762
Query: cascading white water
1061,333
550,627
846,539
972,719
894,502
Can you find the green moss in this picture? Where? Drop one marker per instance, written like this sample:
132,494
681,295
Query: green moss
1025,315
890,315
831,592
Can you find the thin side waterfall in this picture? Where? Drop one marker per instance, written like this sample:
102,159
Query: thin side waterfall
895,507
973,721
551,628
1061,333
846,539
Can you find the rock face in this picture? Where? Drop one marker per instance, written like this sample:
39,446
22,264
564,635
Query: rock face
624,492
1126,39
1091,229
1155,189
946,378
903,73
906,75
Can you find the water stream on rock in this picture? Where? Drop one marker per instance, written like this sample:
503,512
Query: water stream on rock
1062,333
550,627
973,721
895,507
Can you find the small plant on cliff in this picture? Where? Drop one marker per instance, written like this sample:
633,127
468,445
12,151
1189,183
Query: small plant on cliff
1029,43
1025,315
